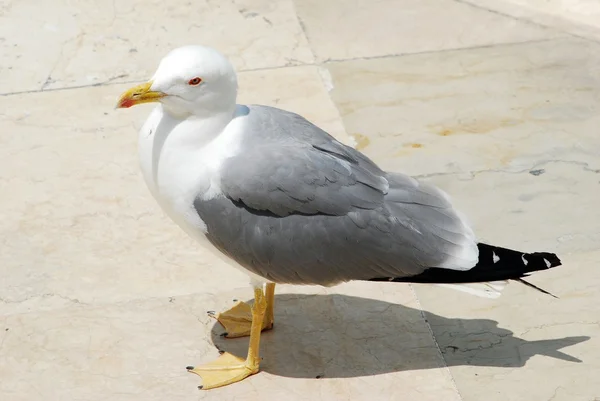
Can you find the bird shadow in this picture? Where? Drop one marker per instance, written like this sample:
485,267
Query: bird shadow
338,336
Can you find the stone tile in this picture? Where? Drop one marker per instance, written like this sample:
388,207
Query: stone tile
507,107
578,17
509,133
342,29
90,42
500,349
364,345
79,225
552,210
495,349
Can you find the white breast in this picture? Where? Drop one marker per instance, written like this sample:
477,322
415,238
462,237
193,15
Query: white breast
181,160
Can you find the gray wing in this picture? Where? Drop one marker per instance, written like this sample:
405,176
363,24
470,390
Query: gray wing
286,179
300,207
291,166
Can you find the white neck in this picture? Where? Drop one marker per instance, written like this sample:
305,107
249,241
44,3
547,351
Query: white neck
194,130
205,111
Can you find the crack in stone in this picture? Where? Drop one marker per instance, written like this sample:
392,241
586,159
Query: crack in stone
492,344
546,325
555,393
585,166
46,295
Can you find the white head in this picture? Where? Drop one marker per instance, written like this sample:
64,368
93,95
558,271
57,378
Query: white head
190,80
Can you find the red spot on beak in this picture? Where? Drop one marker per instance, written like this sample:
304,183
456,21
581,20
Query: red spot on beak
126,103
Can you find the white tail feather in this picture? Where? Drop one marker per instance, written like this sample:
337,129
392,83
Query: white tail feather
491,289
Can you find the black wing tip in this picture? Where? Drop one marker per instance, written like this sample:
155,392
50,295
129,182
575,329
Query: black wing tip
551,258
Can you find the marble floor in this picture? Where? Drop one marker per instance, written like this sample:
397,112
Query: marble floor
495,101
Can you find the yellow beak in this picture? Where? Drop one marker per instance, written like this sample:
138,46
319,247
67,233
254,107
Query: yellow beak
138,95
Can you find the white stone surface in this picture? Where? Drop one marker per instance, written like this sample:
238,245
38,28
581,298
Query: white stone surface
510,107
343,29
102,298
579,17
88,42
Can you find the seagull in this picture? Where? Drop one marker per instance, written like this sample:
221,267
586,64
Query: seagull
288,203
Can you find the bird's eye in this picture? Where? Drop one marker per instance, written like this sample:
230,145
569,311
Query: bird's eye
195,81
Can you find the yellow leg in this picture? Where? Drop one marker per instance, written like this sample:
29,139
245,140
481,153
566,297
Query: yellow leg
269,314
237,321
228,369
